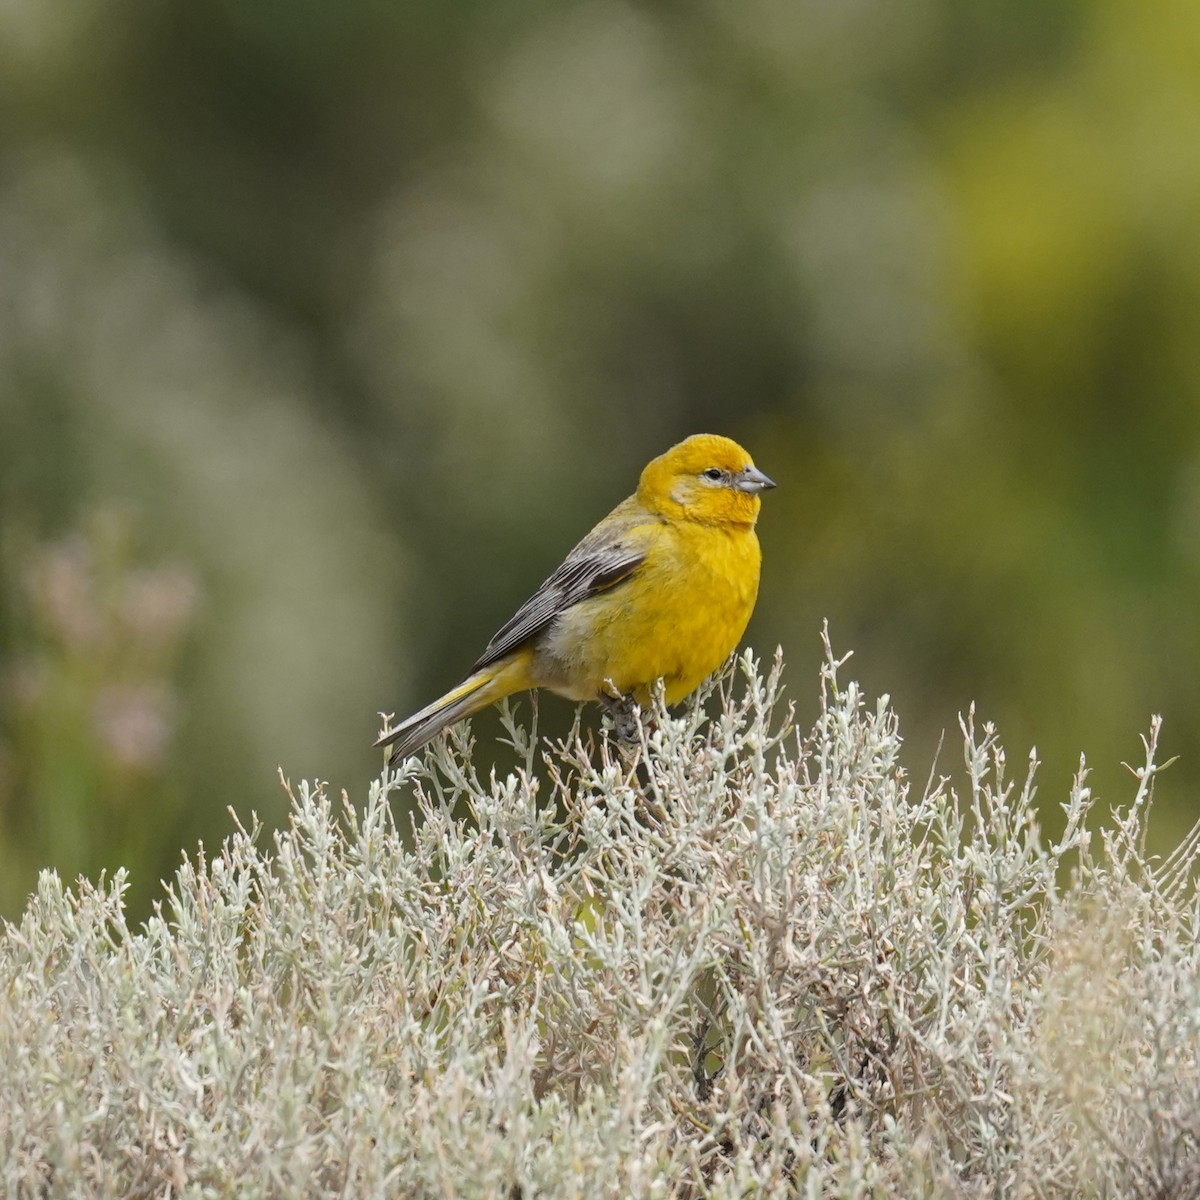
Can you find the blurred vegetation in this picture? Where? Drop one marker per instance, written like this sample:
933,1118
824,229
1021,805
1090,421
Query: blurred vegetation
92,711
362,313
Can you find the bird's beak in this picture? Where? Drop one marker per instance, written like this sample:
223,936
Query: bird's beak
751,479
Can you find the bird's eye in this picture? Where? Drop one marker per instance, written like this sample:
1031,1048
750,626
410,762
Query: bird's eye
714,473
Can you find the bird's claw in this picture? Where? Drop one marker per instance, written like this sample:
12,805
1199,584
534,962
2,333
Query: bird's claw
622,713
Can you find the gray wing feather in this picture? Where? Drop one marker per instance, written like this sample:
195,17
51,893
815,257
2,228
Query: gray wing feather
588,570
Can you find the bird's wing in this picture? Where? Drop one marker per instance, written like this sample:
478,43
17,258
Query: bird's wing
593,566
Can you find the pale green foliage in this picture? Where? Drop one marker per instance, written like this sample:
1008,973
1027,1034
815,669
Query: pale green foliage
732,961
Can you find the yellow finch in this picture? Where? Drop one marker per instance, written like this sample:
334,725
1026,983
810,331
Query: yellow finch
662,589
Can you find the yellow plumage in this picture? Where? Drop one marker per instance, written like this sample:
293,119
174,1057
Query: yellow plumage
662,588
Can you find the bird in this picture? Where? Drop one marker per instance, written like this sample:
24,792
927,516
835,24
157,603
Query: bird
662,588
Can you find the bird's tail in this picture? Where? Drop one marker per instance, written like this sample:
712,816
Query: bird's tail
475,692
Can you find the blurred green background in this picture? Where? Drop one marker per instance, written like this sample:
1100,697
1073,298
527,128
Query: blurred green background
325,329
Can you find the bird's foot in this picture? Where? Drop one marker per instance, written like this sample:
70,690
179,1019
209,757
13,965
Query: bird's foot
622,714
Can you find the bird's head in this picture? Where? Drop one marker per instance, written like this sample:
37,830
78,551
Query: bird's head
704,478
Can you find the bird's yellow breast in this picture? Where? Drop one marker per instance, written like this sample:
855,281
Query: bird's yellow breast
677,618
